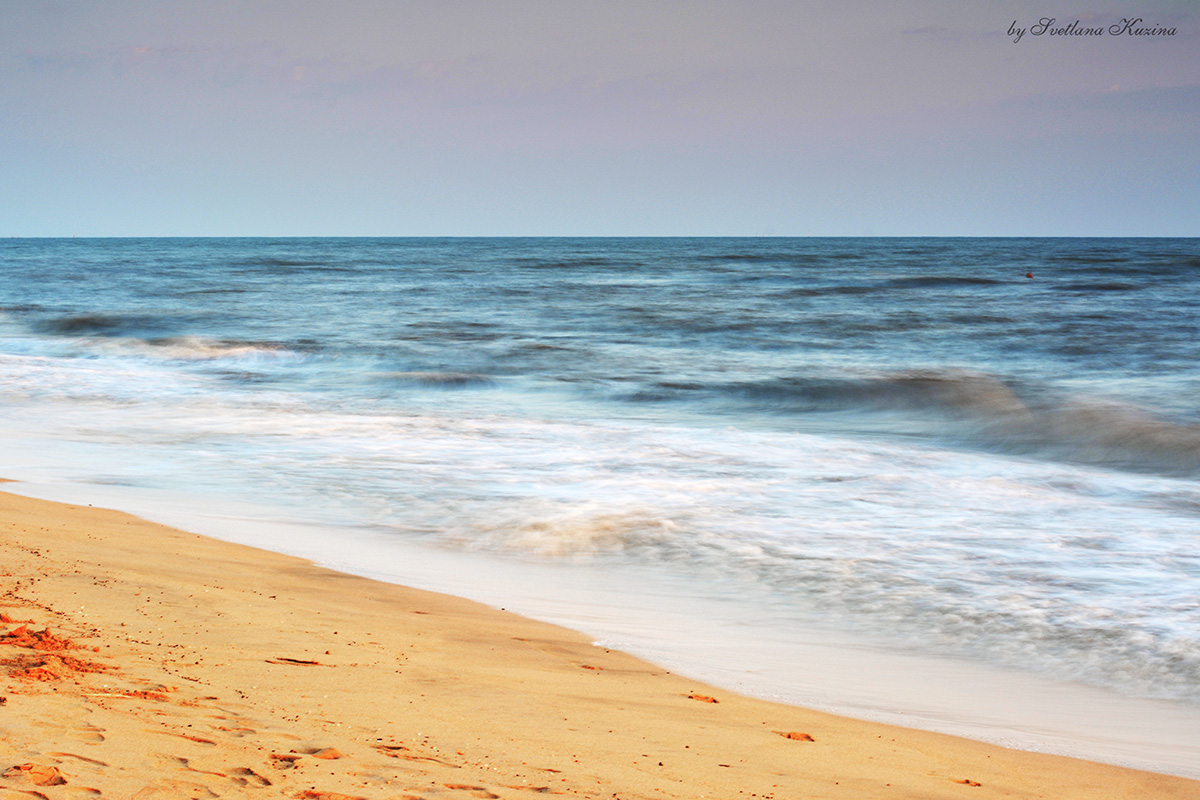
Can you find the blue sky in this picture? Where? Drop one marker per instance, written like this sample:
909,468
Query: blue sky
578,117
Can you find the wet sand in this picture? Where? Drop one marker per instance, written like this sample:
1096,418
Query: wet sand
142,661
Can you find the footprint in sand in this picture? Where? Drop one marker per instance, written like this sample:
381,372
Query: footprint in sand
83,770
473,791
35,774
326,753
234,733
166,789
247,777
237,776
90,734
284,760
199,740
84,759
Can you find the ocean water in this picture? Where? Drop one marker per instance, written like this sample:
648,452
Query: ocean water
728,454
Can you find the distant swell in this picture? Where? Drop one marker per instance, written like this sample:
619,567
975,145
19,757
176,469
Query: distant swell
440,380
1099,287
913,282
1087,259
743,257
919,281
829,290
279,261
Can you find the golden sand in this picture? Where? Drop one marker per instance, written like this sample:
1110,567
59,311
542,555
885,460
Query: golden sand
141,661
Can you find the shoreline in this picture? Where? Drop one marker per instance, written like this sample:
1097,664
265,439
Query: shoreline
200,664
695,633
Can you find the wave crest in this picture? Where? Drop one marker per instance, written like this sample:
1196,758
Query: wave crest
99,324
198,348
974,410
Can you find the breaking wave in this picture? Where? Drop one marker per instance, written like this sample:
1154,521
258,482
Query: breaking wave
978,411
99,324
199,348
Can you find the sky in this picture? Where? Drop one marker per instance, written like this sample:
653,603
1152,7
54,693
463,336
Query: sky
597,118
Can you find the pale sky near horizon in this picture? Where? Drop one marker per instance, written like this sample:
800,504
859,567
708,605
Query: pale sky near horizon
570,117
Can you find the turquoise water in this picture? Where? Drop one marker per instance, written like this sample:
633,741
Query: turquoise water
902,440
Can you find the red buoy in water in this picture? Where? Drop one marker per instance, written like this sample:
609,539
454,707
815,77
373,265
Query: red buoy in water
1028,274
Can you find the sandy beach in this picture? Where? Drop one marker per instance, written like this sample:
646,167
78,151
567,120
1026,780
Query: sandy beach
142,661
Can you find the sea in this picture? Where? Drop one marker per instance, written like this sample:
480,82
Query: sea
952,483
